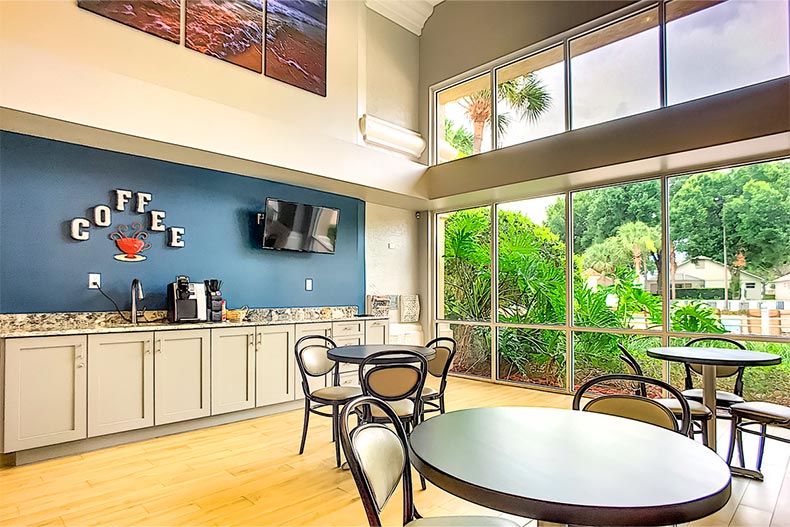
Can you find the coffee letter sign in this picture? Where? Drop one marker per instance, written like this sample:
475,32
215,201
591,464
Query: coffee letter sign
156,220
143,198
128,238
77,226
175,237
102,216
122,197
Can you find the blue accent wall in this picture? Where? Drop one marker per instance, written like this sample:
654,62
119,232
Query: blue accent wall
44,184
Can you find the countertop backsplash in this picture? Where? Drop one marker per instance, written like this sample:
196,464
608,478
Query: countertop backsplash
45,324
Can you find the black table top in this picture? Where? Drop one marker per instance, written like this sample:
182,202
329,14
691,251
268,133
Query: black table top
570,467
356,354
715,356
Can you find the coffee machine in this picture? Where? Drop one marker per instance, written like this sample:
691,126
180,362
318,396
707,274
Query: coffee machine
186,301
214,303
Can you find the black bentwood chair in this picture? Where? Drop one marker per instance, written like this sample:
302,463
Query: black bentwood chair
763,415
312,362
700,414
634,406
724,399
433,399
396,377
378,457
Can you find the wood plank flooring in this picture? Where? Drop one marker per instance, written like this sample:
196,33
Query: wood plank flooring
249,474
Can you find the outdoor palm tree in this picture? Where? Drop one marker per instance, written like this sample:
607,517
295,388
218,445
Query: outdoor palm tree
525,94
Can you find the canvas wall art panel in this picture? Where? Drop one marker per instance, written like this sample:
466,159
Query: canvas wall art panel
231,30
161,18
296,43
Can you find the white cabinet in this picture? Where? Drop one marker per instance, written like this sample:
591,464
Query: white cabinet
45,391
349,334
274,364
377,332
120,382
232,369
182,383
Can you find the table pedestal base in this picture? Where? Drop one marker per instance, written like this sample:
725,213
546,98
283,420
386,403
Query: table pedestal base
709,400
746,473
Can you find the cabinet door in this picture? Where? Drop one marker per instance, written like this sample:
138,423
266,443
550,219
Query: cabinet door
182,375
377,332
232,369
302,330
120,382
274,371
45,391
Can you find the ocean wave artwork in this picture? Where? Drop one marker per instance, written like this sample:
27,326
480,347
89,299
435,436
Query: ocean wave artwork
231,30
296,43
161,18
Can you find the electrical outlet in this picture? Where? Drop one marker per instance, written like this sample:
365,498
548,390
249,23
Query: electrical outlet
308,284
94,280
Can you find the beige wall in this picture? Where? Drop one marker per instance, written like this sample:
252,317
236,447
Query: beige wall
396,255
393,55
65,63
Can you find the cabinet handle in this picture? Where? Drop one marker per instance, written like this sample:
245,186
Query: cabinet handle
158,348
80,365
258,340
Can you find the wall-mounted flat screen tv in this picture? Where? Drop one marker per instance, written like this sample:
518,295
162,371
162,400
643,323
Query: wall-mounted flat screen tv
299,227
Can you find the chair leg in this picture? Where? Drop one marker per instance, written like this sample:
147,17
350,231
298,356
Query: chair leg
739,439
761,448
422,482
441,404
335,430
304,426
733,432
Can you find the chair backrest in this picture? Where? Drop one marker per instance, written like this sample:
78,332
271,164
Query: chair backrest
635,406
378,458
311,358
633,368
721,371
394,375
439,366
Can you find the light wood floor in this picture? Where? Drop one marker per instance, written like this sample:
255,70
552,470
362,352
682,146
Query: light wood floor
248,473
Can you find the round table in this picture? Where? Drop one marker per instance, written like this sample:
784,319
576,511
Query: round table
356,354
709,358
570,467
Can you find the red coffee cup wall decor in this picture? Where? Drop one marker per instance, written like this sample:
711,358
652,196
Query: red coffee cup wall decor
130,239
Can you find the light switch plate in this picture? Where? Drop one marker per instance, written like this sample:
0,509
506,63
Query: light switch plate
308,284
94,280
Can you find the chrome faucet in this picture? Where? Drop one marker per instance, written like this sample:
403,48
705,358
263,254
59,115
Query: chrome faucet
138,296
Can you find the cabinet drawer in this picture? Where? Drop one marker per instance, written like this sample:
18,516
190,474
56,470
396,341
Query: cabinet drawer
377,323
340,329
349,378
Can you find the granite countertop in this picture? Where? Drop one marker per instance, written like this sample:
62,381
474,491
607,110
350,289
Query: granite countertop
52,324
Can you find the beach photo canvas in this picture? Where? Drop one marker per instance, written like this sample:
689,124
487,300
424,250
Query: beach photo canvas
161,18
296,43
231,30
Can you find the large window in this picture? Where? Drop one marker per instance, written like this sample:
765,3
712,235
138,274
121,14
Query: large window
615,70
463,119
618,256
531,98
730,233
620,68
725,270
713,47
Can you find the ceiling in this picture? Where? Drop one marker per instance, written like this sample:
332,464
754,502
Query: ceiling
409,14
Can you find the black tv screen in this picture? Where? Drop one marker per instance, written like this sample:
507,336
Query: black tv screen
299,227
